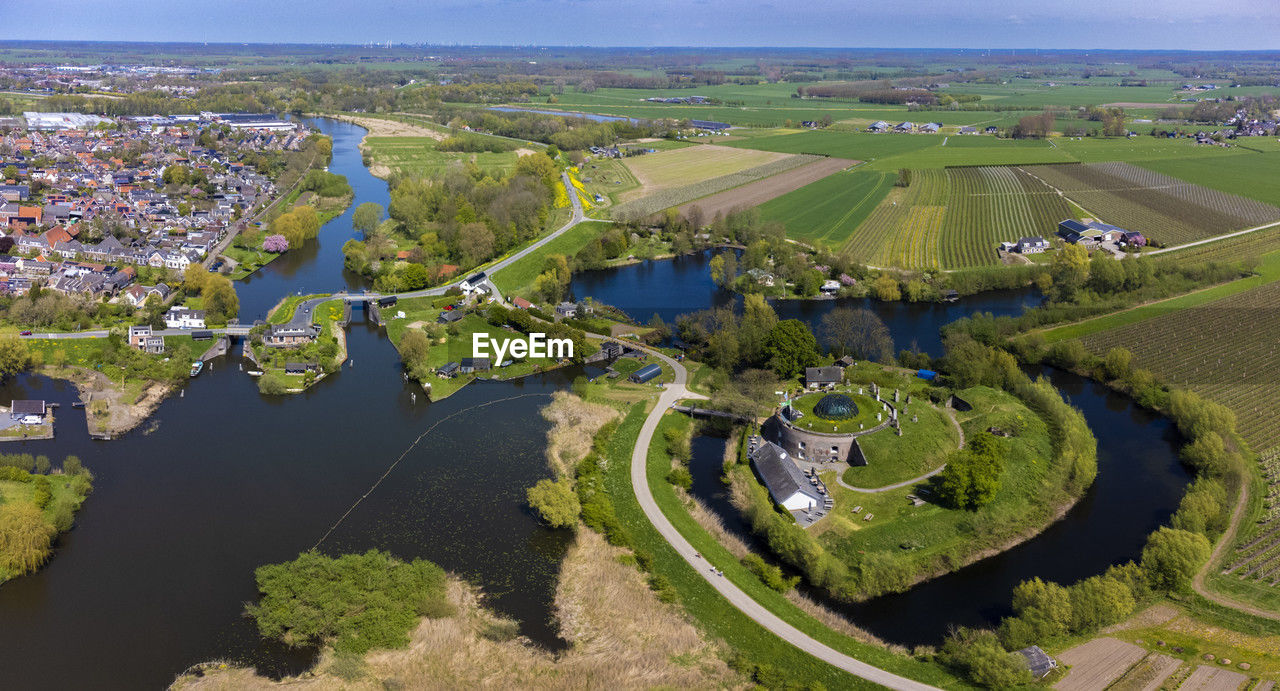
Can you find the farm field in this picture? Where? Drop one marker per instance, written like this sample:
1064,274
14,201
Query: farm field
827,212
1249,175
675,196
1225,350
1167,210
1254,564
691,165
955,218
418,157
518,277
767,189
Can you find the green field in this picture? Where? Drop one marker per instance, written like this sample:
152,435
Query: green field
826,212
518,277
923,446
418,157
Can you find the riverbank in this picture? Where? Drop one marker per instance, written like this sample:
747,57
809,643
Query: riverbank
380,127
111,409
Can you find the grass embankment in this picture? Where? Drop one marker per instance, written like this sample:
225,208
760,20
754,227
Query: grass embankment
706,605
923,447
518,277
248,261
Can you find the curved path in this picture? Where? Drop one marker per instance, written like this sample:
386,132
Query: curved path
1229,538
735,595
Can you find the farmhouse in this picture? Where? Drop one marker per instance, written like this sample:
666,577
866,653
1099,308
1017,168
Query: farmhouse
817,377
907,126
786,483
1032,245
878,126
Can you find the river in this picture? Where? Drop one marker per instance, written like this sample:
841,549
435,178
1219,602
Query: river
155,575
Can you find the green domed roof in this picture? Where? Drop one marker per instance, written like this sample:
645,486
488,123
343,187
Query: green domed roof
835,406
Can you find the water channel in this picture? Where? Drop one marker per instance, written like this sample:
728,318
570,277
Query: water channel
155,575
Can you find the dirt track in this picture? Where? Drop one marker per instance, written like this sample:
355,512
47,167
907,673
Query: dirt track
761,191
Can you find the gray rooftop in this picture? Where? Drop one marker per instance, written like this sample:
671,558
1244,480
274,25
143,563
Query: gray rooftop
780,473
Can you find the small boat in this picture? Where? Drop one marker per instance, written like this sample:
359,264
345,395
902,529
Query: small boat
196,367
77,404
255,373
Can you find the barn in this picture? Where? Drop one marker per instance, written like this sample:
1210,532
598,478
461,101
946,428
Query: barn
646,373
787,485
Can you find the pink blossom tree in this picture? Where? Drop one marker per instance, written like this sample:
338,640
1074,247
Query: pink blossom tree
275,243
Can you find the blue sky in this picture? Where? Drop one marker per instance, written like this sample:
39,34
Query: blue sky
1121,24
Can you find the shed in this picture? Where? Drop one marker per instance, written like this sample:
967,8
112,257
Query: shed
1038,661
448,369
201,335
449,316
645,373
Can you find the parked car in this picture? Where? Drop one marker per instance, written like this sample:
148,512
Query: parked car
25,333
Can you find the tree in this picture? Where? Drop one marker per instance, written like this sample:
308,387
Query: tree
275,243
758,319
972,476
857,332
980,655
1171,558
25,537
220,300
886,288
15,357
414,347
1106,275
1070,271
1099,601
1118,363
414,277
11,172
790,348
366,217
556,502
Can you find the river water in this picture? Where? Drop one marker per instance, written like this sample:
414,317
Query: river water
155,575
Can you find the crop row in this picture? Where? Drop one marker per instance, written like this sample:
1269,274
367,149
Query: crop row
955,218
1168,212
1225,350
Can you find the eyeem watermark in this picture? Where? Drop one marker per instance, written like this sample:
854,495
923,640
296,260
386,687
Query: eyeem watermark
535,345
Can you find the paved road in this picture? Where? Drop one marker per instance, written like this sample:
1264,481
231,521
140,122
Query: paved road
736,597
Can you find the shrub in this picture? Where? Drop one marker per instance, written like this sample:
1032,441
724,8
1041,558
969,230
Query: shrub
556,502
769,574
680,477
360,601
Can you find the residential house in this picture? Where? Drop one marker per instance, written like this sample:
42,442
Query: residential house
821,377
289,335
1032,245
184,318
449,317
474,364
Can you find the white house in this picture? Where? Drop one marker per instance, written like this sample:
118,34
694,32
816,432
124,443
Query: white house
1032,245
787,484
183,318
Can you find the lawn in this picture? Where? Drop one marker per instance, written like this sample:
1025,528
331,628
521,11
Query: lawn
518,277
248,261
923,446
864,418
825,213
